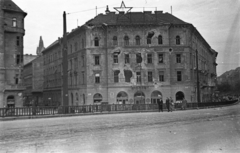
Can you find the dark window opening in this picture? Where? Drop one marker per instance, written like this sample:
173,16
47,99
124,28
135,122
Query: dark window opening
127,60
149,37
115,42
178,40
161,76
137,40
16,79
160,58
97,78
150,76
18,41
179,76
138,58
96,41
128,75
97,58
18,59
116,77
115,58
138,74
178,58
126,41
149,58
160,41
97,98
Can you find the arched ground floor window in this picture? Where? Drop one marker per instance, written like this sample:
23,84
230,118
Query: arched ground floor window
139,98
122,97
179,96
10,101
97,98
155,96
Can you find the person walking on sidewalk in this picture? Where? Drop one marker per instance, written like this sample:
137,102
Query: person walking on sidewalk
171,104
160,104
168,104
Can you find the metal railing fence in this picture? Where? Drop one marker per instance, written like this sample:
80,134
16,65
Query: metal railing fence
107,108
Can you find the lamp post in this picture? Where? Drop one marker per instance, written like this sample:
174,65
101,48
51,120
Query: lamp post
198,86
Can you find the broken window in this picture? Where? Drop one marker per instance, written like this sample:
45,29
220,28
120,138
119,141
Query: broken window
115,42
138,58
137,38
138,74
160,58
178,58
115,58
160,41
149,37
178,40
161,76
96,41
116,78
97,78
179,76
149,58
150,76
128,75
126,41
97,58
127,60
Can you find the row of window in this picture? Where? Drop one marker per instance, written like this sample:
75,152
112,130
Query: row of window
137,40
161,77
138,58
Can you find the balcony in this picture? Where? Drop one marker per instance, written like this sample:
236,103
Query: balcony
14,29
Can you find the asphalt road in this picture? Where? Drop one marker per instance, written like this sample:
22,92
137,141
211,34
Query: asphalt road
207,130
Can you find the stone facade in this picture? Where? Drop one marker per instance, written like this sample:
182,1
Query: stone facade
136,57
11,53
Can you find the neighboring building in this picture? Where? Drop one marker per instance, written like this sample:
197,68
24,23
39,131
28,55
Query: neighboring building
33,79
28,58
134,57
11,53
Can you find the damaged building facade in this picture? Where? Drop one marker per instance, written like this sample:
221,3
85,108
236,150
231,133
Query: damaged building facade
133,57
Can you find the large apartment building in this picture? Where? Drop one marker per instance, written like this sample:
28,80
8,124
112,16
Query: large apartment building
11,53
131,57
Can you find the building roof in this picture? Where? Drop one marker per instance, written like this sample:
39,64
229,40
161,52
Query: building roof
10,5
146,17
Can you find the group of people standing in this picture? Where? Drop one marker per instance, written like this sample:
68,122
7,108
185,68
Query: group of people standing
170,104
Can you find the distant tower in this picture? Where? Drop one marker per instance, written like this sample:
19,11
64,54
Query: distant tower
40,47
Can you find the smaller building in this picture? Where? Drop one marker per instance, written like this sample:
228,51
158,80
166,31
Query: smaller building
33,79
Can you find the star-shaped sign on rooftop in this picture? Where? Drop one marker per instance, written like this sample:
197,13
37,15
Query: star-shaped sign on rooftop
123,8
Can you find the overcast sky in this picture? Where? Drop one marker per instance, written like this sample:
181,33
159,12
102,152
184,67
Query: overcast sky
216,20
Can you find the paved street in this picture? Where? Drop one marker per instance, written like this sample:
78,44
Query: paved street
209,130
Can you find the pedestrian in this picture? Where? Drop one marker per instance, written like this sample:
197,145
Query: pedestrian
184,104
160,104
168,104
171,103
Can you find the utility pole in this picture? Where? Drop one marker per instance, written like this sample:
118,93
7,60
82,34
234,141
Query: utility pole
64,65
198,85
